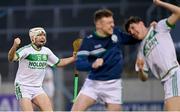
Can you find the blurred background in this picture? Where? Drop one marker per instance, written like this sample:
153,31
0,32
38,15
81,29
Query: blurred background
64,21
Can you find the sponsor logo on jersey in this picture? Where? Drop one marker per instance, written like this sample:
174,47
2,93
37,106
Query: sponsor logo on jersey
37,61
37,65
150,43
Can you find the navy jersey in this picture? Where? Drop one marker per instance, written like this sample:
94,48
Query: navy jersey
109,48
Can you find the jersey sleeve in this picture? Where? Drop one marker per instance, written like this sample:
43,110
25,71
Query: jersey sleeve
53,60
163,26
21,53
125,38
82,62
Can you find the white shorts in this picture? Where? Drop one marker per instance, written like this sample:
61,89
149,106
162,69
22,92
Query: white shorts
22,91
104,91
172,85
49,88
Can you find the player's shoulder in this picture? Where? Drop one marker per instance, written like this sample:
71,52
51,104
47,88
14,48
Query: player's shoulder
162,22
46,48
26,47
117,29
89,37
163,25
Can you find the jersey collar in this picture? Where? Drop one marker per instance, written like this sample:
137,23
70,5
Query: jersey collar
34,46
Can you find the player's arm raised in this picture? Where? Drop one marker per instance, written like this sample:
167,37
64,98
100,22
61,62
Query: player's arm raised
175,16
12,52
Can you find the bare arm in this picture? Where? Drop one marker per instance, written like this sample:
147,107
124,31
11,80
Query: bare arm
12,52
175,16
65,61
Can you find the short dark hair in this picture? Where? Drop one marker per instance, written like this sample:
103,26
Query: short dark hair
131,20
102,13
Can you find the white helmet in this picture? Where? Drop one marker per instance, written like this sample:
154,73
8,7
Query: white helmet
33,32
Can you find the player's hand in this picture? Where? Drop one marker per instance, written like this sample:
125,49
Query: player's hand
17,42
98,63
140,63
74,55
143,76
153,24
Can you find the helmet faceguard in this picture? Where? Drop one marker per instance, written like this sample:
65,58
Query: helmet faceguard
34,32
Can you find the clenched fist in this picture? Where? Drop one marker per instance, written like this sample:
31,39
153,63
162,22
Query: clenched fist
140,63
17,42
98,63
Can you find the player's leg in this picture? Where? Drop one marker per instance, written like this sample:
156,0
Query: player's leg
114,107
82,103
23,95
86,97
48,87
112,94
43,102
172,92
26,104
173,104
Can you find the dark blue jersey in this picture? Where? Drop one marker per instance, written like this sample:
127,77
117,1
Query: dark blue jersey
109,48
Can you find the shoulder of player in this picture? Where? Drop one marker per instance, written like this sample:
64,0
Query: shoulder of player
117,29
26,47
46,48
89,37
163,24
119,33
